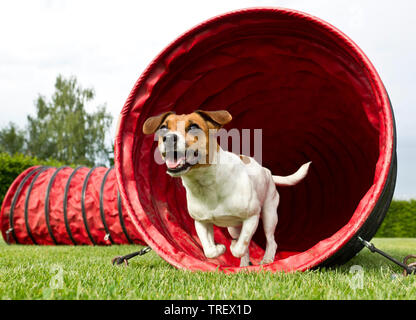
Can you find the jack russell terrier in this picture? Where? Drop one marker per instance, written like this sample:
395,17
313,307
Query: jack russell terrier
222,188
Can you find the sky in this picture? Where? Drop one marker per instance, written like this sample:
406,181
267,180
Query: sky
108,44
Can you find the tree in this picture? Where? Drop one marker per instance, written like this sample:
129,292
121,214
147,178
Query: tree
62,128
12,139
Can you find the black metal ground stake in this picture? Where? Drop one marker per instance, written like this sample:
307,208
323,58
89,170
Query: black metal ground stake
124,259
408,268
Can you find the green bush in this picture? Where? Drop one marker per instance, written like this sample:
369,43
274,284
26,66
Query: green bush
400,221
12,166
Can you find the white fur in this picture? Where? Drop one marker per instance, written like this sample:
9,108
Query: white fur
233,194
293,178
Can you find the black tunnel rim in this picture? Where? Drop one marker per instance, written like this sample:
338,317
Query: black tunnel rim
14,201
67,226
84,213
107,230
120,215
47,211
29,231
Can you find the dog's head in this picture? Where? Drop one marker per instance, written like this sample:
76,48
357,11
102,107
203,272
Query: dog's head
186,141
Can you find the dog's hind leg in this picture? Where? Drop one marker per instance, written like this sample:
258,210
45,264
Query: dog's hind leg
235,234
269,217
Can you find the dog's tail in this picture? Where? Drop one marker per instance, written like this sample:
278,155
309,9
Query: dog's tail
293,178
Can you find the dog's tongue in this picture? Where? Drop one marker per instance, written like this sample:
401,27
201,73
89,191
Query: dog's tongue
173,164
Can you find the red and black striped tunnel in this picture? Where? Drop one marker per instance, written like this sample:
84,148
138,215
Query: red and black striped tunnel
82,206
316,97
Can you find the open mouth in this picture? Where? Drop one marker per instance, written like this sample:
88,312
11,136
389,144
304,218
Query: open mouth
177,162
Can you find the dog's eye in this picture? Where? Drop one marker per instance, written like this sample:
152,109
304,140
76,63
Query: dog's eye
162,130
193,126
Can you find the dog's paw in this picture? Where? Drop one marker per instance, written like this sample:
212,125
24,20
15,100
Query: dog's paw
267,258
245,261
270,253
238,250
266,261
215,251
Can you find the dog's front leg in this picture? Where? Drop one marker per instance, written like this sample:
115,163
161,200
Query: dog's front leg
205,233
235,234
240,248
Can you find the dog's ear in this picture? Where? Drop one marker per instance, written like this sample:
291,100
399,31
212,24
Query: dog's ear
217,118
153,123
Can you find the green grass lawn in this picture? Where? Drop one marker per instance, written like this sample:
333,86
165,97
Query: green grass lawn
63,272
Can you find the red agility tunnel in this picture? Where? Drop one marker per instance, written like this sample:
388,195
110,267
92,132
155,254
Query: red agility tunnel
82,206
316,97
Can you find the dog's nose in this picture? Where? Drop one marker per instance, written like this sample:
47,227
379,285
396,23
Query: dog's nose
171,139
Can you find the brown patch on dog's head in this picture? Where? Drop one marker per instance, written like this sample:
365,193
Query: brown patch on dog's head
153,123
216,118
195,129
